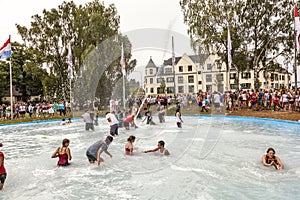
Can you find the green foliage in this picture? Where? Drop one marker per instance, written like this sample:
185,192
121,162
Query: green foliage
260,30
85,27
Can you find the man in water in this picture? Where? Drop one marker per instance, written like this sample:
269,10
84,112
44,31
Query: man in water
160,149
2,169
93,153
113,122
88,121
270,159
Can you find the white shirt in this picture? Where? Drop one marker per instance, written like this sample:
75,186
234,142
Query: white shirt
113,120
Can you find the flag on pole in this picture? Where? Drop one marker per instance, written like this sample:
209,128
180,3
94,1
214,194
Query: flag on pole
122,62
5,50
229,47
70,62
297,28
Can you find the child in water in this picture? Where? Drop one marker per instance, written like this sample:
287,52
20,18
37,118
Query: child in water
2,170
178,118
129,145
63,153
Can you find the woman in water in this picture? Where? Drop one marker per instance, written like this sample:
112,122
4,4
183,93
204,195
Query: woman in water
129,145
63,153
160,148
2,169
270,159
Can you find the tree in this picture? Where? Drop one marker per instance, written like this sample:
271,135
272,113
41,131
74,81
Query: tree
260,30
86,28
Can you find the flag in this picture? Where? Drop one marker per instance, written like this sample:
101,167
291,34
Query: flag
5,50
70,62
122,62
297,28
229,47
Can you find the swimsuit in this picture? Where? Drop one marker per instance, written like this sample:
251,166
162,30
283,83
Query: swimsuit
63,160
127,151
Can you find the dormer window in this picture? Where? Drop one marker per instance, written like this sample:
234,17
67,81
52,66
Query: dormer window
151,71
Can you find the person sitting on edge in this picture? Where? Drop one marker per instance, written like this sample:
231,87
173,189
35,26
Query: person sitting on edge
160,148
93,153
270,159
63,153
129,145
2,169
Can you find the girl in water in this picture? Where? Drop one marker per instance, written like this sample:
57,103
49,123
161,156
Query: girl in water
270,159
160,148
63,153
129,145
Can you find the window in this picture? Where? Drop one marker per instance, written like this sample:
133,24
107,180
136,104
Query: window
199,82
158,90
219,66
276,85
151,71
151,80
233,86
180,68
276,77
170,90
209,66
232,75
246,75
220,77
283,78
146,90
190,68
199,72
159,80
146,81
191,79
180,79
170,79
246,85
151,90
191,88
168,70
180,89
208,78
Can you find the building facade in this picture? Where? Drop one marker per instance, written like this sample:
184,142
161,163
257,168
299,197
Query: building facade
207,73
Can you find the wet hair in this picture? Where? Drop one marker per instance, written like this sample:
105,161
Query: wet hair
162,143
107,113
63,119
1,145
270,149
131,138
65,141
109,139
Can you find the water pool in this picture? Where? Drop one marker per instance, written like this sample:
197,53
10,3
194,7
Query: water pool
211,158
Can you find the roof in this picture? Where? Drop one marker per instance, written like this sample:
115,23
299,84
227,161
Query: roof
150,64
169,61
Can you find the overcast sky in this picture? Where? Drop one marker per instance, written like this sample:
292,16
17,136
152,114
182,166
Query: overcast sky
135,14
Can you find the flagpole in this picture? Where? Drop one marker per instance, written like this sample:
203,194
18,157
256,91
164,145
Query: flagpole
173,66
11,90
295,51
124,92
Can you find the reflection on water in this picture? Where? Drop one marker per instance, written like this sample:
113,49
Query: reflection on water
232,170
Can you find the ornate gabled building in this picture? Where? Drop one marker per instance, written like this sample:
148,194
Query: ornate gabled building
206,73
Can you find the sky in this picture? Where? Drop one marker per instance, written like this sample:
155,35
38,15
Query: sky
162,18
